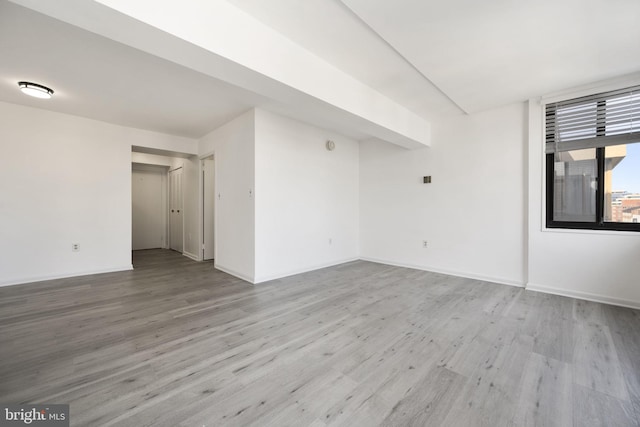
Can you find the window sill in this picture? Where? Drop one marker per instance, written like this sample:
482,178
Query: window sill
626,233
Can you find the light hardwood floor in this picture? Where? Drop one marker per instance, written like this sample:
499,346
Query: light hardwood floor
177,343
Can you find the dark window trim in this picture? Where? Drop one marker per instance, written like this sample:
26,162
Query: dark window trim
599,223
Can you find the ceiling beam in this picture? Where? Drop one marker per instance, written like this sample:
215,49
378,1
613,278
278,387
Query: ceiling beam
220,40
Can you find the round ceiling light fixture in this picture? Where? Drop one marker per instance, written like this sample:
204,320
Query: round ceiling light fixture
36,90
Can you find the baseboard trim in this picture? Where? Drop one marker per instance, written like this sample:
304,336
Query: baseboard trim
583,295
192,256
233,273
303,270
466,275
36,279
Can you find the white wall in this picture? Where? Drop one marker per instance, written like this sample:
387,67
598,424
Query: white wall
472,214
164,142
234,150
64,180
483,215
152,159
596,265
306,197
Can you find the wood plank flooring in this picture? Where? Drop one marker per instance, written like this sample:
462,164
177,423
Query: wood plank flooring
177,343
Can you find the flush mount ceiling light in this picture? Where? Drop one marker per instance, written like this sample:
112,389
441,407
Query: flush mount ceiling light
36,90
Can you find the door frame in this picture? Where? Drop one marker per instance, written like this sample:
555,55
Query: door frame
205,197
216,159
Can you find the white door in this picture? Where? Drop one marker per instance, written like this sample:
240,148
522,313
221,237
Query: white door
147,216
208,197
175,210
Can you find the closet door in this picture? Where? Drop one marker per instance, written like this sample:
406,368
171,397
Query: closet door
175,210
148,226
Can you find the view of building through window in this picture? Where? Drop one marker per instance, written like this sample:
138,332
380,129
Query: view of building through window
622,183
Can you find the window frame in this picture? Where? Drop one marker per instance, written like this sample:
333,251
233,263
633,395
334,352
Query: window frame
599,223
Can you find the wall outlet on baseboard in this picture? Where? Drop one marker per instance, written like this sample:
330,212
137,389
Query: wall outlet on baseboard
425,244
75,247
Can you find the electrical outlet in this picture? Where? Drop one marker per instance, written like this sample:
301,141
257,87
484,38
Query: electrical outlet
330,241
424,244
75,247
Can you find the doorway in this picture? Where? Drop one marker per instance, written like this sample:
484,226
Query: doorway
176,211
208,208
148,218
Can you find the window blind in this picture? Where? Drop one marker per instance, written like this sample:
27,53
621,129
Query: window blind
610,118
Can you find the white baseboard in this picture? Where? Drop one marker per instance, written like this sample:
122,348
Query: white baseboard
192,256
303,270
583,295
33,279
233,273
499,280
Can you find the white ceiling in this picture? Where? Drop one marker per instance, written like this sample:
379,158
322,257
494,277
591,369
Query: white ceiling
95,77
479,54
331,31
433,57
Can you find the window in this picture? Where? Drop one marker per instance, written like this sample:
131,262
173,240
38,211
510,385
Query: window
593,161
